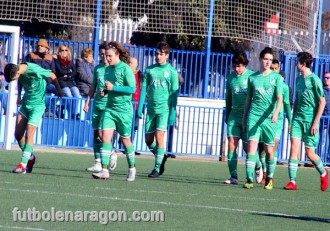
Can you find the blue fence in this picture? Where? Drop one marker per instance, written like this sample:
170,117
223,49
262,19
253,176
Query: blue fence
201,130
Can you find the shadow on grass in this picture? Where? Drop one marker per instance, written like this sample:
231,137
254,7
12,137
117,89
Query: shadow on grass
295,217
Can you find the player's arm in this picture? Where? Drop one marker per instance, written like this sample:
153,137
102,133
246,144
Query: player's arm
287,105
320,109
142,94
228,100
246,111
174,97
19,93
130,86
56,84
279,98
90,95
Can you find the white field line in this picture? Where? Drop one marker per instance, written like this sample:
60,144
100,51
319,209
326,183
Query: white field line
186,194
149,202
23,228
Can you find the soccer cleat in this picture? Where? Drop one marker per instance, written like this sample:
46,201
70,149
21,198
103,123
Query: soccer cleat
97,167
269,184
248,184
30,163
263,181
19,169
104,174
231,180
154,174
162,166
113,161
290,186
325,181
259,175
131,174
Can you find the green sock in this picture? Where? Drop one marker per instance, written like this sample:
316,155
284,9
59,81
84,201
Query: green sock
258,164
263,161
97,148
319,166
159,158
232,164
21,145
28,149
250,164
270,167
130,156
106,149
153,147
293,168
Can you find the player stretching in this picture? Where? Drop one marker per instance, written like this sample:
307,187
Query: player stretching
236,88
99,105
260,115
118,114
32,78
162,81
308,108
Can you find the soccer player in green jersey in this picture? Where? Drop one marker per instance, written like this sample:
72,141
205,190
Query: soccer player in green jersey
236,88
262,106
308,108
32,78
163,84
118,114
99,105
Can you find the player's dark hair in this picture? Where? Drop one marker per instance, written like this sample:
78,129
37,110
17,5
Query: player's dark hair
275,61
305,58
240,58
103,45
10,72
266,50
163,47
118,49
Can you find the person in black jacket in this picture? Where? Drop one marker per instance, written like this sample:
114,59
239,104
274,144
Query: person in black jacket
66,72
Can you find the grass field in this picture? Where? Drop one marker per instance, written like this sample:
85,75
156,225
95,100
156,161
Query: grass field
190,193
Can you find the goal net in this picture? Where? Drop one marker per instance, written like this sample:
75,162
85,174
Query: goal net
284,24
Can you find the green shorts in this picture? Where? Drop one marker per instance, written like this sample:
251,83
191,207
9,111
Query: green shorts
234,129
119,121
32,113
261,129
302,130
279,129
156,122
96,118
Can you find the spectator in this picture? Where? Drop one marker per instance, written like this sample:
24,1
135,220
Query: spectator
85,69
46,61
324,126
66,72
3,84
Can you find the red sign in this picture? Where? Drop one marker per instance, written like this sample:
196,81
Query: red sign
271,26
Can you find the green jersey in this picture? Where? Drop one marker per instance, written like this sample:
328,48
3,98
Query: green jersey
236,89
286,104
163,83
264,91
34,84
98,82
309,90
121,76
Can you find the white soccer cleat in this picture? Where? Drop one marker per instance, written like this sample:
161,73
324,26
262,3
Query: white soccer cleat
231,180
259,175
131,174
113,161
104,174
97,167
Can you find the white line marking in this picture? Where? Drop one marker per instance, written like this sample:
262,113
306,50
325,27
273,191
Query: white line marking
23,228
150,202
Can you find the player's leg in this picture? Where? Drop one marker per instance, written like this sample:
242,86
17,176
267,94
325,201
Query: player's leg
268,137
108,128
150,129
96,119
262,158
124,122
293,163
310,145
